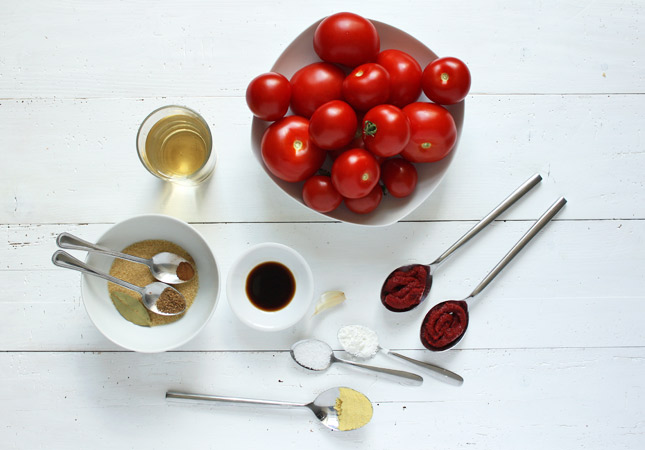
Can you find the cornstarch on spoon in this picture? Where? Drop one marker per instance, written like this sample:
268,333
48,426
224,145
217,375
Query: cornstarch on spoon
358,340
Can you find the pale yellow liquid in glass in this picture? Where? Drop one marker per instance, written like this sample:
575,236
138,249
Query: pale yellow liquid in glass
178,146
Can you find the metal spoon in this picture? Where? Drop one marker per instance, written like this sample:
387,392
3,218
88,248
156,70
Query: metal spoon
149,294
440,370
322,406
430,268
163,266
446,322
329,358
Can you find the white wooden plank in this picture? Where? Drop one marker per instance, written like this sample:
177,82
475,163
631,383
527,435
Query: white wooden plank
569,398
579,284
206,48
82,152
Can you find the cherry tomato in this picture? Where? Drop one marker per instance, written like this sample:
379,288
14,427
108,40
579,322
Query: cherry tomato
434,132
355,172
399,177
365,204
268,96
333,125
386,130
446,81
367,86
405,76
315,85
347,39
320,194
287,151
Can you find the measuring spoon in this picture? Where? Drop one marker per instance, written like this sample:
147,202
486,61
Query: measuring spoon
163,266
327,358
397,282
149,294
322,406
446,323
373,348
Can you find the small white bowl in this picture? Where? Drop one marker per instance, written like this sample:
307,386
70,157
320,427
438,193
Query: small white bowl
163,337
273,320
300,53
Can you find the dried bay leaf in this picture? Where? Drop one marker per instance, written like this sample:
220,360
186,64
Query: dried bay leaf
131,309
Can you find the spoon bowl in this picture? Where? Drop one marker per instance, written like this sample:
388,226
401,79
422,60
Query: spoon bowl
150,294
323,405
166,267
406,287
446,322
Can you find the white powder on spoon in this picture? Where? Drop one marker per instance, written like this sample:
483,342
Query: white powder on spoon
312,354
358,340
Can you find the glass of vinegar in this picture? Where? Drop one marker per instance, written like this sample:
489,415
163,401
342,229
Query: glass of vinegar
175,144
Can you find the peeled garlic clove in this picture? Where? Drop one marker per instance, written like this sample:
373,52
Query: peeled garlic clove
328,300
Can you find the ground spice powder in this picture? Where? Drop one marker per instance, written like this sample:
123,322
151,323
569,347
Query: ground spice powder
353,408
185,271
170,302
140,275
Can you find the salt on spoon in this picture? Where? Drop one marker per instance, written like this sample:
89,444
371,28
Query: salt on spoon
317,355
362,342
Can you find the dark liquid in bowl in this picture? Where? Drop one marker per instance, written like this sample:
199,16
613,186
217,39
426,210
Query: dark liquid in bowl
270,286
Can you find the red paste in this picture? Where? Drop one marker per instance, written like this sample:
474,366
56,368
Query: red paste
444,325
405,289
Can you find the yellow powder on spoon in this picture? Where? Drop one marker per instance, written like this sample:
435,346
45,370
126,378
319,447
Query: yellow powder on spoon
353,408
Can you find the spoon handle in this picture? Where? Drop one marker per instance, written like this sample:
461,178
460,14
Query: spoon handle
398,373
531,232
71,242
67,261
217,398
515,196
440,370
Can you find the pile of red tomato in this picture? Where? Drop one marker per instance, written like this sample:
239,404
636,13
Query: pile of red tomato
369,121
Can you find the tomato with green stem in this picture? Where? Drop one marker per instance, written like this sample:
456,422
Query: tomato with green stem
433,132
386,130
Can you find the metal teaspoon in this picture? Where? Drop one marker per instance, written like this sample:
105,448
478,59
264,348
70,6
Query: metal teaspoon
330,358
149,294
322,406
163,266
448,326
430,268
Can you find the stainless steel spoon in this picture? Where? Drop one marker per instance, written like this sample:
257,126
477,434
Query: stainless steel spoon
429,269
328,357
446,322
373,350
149,294
163,266
322,406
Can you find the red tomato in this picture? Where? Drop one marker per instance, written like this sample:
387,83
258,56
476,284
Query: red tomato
314,85
287,151
320,194
365,204
434,132
354,173
386,130
399,177
347,39
333,125
268,96
367,86
446,81
405,76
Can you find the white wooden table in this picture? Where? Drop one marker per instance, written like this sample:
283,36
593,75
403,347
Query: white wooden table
555,353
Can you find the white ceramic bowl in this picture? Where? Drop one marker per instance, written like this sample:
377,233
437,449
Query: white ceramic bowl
274,320
300,53
163,337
